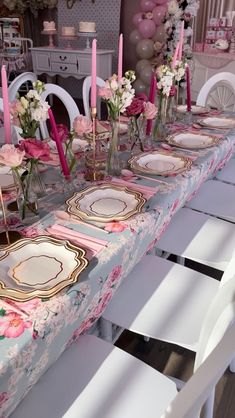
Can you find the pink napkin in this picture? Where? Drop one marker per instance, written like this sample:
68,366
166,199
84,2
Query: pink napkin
91,244
147,191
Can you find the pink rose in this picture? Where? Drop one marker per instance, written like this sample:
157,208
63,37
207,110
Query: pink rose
142,96
82,125
11,156
114,276
172,91
35,149
105,93
99,309
63,132
150,110
136,107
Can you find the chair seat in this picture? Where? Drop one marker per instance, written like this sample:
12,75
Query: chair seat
215,198
227,173
199,237
94,379
164,294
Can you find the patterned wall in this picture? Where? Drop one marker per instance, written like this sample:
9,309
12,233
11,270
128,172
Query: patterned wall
106,14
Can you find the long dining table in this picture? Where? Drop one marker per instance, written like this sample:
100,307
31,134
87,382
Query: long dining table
33,337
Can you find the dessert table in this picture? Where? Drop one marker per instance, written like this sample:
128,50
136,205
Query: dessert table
34,338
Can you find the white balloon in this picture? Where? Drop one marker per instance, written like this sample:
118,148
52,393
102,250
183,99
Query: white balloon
140,65
139,86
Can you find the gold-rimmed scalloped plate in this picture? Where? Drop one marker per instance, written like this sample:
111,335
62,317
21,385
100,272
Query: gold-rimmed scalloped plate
193,139
105,203
39,267
218,122
195,109
160,163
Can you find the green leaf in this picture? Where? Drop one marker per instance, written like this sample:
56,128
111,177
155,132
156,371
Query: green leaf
2,312
2,337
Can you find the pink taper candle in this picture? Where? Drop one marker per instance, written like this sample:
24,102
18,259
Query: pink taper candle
120,56
63,161
152,92
93,74
6,108
175,55
181,42
188,88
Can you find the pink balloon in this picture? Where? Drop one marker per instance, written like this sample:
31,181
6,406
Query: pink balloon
147,28
147,5
158,14
160,34
137,18
161,1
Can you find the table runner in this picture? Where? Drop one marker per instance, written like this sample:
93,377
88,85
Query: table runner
29,344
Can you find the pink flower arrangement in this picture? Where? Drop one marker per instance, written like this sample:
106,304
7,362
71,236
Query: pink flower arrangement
105,92
63,132
12,325
36,149
82,125
11,156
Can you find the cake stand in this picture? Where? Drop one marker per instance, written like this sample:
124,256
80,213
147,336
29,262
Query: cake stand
68,39
88,36
50,33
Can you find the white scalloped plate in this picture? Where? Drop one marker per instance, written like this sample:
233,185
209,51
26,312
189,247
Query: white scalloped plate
159,163
192,140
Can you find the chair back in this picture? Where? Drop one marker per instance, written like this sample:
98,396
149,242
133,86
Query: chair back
218,92
66,99
199,387
86,95
16,84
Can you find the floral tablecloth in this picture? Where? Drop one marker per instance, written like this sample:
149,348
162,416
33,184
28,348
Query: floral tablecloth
29,345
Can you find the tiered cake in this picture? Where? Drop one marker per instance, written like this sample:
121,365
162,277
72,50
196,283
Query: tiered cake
68,31
87,27
49,26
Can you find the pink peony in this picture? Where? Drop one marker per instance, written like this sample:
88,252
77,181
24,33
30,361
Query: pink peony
82,125
34,148
105,93
11,156
136,107
12,325
63,132
150,110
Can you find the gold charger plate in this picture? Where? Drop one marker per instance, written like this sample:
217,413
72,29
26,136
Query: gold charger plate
18,263
192,139
159,163
105,203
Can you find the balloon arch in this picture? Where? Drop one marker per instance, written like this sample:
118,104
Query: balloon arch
157,28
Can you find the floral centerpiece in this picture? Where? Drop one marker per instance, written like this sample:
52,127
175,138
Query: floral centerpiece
139,111
118,96
167,81
29,110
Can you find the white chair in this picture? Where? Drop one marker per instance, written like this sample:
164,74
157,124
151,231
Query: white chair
94,379
66,99
199,237
169,302
227,174
218,92
24,79
86,95
215,198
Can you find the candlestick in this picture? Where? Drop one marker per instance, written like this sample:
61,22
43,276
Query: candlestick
93,74
63,161
175,55
93,116
152,92
6,109
188,83
181,41
120,56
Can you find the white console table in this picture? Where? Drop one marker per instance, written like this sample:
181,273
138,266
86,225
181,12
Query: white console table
70,62
208,64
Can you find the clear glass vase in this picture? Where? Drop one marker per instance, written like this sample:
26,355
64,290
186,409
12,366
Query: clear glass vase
37,185
160,130
25,196
113,162
138,132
